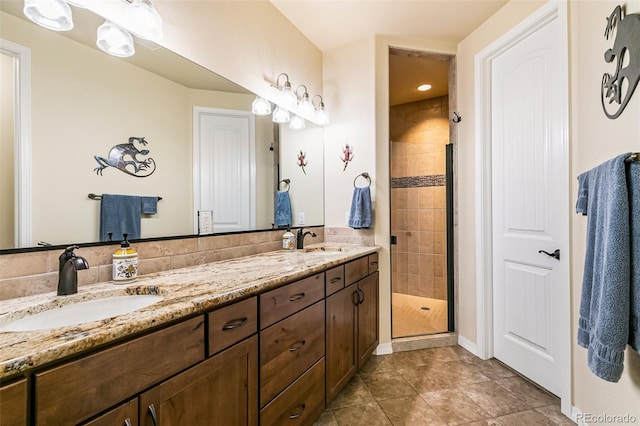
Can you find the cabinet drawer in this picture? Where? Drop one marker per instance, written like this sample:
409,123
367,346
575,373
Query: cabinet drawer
356,270
288,348
13,404
334,279
284,301
301,403
123,415
232,324
73,392
373,263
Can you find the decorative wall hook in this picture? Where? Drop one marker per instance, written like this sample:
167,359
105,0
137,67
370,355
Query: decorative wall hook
456,118
124,158
347,155
625,50
302,161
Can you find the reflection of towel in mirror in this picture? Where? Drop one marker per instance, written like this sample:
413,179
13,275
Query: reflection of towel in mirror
120,214
282,209
633,183
360,214
149,205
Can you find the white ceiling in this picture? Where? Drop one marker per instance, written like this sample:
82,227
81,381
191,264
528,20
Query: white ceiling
332,23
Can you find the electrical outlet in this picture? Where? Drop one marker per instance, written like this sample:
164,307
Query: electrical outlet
300,218
205,222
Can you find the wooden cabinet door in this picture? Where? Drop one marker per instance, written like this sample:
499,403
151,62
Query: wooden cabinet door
222,390
13,404
123,415
367,318
340,355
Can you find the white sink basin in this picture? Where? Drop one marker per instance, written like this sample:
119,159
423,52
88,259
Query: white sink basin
82,312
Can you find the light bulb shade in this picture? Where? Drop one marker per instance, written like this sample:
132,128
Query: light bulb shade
297,123
305,107
261,106
321,117
80,3
143,20
115,40
287,98
52,14
280,115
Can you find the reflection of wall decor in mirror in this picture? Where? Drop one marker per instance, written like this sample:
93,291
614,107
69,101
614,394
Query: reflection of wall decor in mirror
77,90
347,155
124,158
619,87
302,161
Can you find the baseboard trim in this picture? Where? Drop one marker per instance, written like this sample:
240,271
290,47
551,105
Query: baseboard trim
383,349
468,345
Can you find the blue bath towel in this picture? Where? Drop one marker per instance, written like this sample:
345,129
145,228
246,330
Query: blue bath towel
149,205
120,214
603,326
633,184
282,215
360,214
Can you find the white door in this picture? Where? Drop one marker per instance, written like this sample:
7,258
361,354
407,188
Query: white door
224,178
530,205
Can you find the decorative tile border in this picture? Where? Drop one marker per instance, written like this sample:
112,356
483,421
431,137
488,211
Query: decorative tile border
418,181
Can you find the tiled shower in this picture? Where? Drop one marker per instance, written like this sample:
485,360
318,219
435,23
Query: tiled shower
419,134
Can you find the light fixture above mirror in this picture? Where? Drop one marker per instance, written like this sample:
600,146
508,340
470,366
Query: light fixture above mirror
51,14
289,103
115,40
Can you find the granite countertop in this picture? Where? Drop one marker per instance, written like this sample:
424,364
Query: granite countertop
186,292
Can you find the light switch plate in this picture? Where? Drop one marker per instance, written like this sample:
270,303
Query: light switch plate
300,218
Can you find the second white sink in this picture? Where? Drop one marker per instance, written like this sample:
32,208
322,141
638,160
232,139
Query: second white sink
82,312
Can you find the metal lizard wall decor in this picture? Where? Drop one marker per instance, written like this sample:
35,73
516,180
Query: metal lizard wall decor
625,50
124,158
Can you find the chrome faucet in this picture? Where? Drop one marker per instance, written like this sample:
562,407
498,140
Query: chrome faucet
300,237
68,271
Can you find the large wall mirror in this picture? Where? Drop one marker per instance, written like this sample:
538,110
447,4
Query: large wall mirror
83,102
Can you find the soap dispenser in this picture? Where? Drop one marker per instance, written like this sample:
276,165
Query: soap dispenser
288,240
125,263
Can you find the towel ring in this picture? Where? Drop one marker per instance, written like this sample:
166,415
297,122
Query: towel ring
287,181
364,175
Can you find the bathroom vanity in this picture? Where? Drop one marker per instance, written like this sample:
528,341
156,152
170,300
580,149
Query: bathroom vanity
267,339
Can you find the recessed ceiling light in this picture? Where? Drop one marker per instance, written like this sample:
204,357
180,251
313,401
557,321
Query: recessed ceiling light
424,87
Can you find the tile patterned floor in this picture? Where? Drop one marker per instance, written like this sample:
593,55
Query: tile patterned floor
440,386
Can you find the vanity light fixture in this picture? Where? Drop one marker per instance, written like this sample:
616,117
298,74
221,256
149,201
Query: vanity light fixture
424,87
305,107
286,98
297,122
261,106
280,115
115,40
80,3
321,117
52,14
143,20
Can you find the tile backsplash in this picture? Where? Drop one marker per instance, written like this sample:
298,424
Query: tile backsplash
24,274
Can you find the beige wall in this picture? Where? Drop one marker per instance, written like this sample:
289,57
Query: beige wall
7,88
594,139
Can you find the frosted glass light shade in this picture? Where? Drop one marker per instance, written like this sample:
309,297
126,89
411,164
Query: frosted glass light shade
321,117
297,123
287,98
261,106
305,107
80,3
52,14
280,115
143,20
115,40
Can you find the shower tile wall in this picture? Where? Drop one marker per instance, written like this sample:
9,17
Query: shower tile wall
419,132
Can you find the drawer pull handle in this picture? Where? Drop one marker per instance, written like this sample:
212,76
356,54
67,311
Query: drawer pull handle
127,422
154,416
296,297
335,280
235,324
299,412
356,297
361,298
297,346
375,262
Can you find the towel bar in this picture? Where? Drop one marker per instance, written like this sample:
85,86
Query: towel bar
99,197
633,158
364,175
287,181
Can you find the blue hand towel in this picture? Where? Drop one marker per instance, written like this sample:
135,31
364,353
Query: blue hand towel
149,205
360,214
603,327
120,214
282,209
633,183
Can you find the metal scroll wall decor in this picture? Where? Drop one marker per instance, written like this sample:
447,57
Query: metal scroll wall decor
124,157
618,88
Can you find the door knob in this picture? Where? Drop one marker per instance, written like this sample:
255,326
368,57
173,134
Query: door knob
555,254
